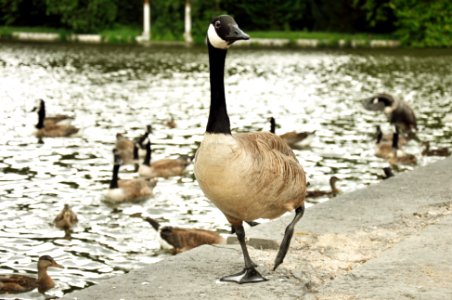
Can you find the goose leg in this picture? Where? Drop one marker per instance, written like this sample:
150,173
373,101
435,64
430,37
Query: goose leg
287,237
249,274
251,223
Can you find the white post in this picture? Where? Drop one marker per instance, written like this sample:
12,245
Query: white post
146,20
187,34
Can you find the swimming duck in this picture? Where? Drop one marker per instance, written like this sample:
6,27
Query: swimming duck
434,152
17,283
127,190
183,239
51,126
318,193
246,175
292,138
161,168
127,149
398,112
171,123
66,218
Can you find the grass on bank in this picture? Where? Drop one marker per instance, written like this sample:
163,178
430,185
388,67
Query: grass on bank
128,34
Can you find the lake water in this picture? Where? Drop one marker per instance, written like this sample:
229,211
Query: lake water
111,89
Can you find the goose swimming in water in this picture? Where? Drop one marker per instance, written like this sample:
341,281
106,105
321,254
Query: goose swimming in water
318,193
292,138
398,112
127,190
165,168
17,283
52,126
434,152
247,175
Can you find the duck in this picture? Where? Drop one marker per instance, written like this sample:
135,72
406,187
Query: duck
434,152
66,219
292,138
18,283
171,123
246,175
398,112
184,239
52,126
318,193
127,149
127,190
161,168
384,149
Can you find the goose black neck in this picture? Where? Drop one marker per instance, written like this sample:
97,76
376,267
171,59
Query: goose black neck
41,116
147,157
272,125
218,115
114,179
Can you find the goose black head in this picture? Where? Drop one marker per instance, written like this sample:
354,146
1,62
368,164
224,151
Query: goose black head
223,31
378,102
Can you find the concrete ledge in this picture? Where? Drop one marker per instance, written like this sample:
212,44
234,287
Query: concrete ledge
34,36
388,241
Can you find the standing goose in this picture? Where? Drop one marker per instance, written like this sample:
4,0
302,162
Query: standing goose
127,190
51,126
292,138
17,283
248,175
398,112
161,168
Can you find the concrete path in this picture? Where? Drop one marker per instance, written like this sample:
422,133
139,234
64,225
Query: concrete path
392,240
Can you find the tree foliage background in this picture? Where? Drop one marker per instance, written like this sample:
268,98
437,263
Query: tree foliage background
417,23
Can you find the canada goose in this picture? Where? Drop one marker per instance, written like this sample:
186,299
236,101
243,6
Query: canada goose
161,168
292,138
246,175
66,218
387,138
17,283
434,152
399,113
51,126
183,239
127,149
127,190
318,193
140,139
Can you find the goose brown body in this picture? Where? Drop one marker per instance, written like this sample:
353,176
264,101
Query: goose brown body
250,175
51,126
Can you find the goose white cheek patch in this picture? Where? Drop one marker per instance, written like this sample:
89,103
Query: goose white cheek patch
215,40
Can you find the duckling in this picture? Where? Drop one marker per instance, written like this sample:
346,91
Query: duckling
293,138
17,283
171,123
183,239
434,152
318,193
66,218
247,175
127,190
127,149
398,112
161,168
51,126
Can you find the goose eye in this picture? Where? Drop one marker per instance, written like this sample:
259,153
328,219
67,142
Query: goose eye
217,24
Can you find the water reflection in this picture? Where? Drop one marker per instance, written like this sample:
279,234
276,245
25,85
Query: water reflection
122,89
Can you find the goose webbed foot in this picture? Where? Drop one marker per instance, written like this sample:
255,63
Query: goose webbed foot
247,275
284,247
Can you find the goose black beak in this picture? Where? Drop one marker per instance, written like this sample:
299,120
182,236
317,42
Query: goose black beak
235,34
